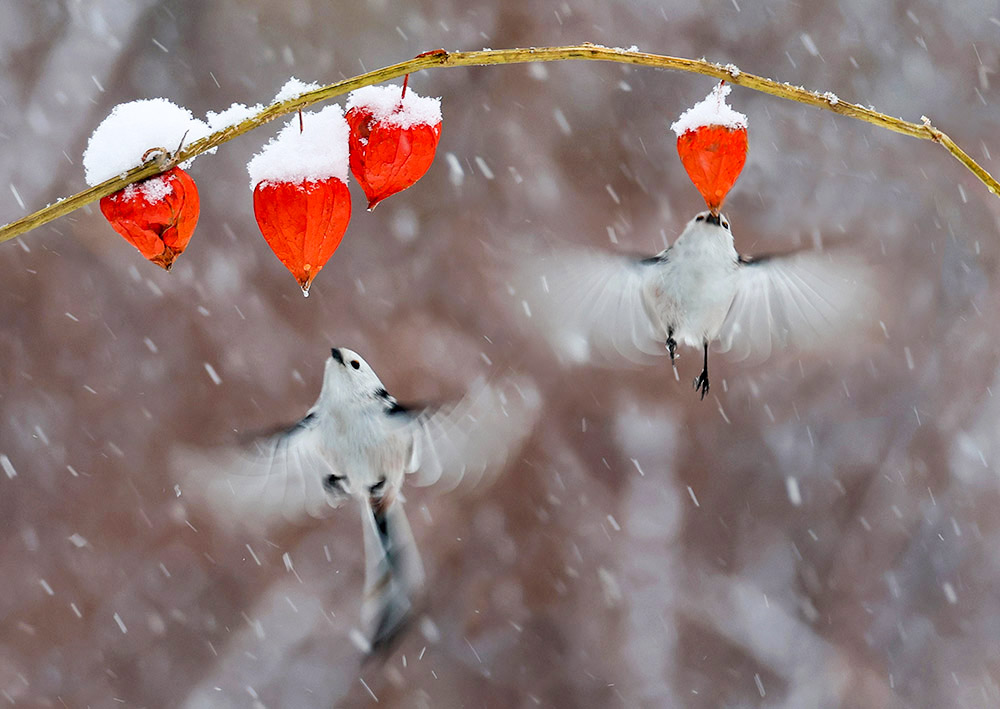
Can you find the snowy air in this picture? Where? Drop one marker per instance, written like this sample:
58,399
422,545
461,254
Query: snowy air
661,380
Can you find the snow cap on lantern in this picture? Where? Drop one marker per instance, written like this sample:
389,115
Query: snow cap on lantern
311,151
388,106
301,200
131,129
712,143
394,135
159,214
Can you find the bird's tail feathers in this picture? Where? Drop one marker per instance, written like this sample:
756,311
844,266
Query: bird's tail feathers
394,573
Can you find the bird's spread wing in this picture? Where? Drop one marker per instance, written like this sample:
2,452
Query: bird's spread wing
589,306
269,478
804,301
473,439
393,571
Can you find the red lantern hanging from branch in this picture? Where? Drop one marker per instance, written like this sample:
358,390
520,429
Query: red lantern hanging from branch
303,222
394,135
712,144
300,195
158,215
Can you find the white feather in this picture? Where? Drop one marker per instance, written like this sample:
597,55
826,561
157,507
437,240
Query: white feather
357,442
608,309
803,301
589,306
275,479
469,442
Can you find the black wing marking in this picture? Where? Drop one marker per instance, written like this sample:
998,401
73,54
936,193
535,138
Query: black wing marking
394,408
283,474
256,438
661,257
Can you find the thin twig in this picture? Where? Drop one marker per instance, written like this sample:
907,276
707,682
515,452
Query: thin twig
487,57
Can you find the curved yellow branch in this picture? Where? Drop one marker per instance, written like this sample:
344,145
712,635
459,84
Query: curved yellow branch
487,57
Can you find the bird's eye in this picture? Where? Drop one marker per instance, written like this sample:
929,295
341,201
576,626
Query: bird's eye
356,364
700,218
332,481
725,224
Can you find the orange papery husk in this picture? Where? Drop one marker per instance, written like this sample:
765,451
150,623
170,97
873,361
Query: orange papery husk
303,222
713,156
157,216
386,158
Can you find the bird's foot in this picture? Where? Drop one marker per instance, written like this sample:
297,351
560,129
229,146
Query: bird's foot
701,382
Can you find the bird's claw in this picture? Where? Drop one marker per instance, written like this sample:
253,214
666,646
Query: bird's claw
701,382
672,349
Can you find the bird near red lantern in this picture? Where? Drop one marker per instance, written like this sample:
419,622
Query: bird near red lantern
393,138
712,144
300,195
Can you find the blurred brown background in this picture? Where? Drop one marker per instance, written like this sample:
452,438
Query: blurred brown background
576,580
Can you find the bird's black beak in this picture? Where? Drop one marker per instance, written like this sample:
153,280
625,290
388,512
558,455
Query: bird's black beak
335,353
714,219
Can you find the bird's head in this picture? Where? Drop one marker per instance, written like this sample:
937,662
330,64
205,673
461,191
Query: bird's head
708,218
347,376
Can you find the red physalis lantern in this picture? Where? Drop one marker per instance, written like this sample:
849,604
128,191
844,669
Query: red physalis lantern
712,143
303,222
157,216
300,195
394,135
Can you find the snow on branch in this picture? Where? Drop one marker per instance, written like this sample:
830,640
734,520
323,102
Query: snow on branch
486,57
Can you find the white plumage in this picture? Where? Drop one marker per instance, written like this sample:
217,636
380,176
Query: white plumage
358,442
599,307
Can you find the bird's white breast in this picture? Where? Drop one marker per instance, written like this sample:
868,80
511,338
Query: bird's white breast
366,448
691,290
